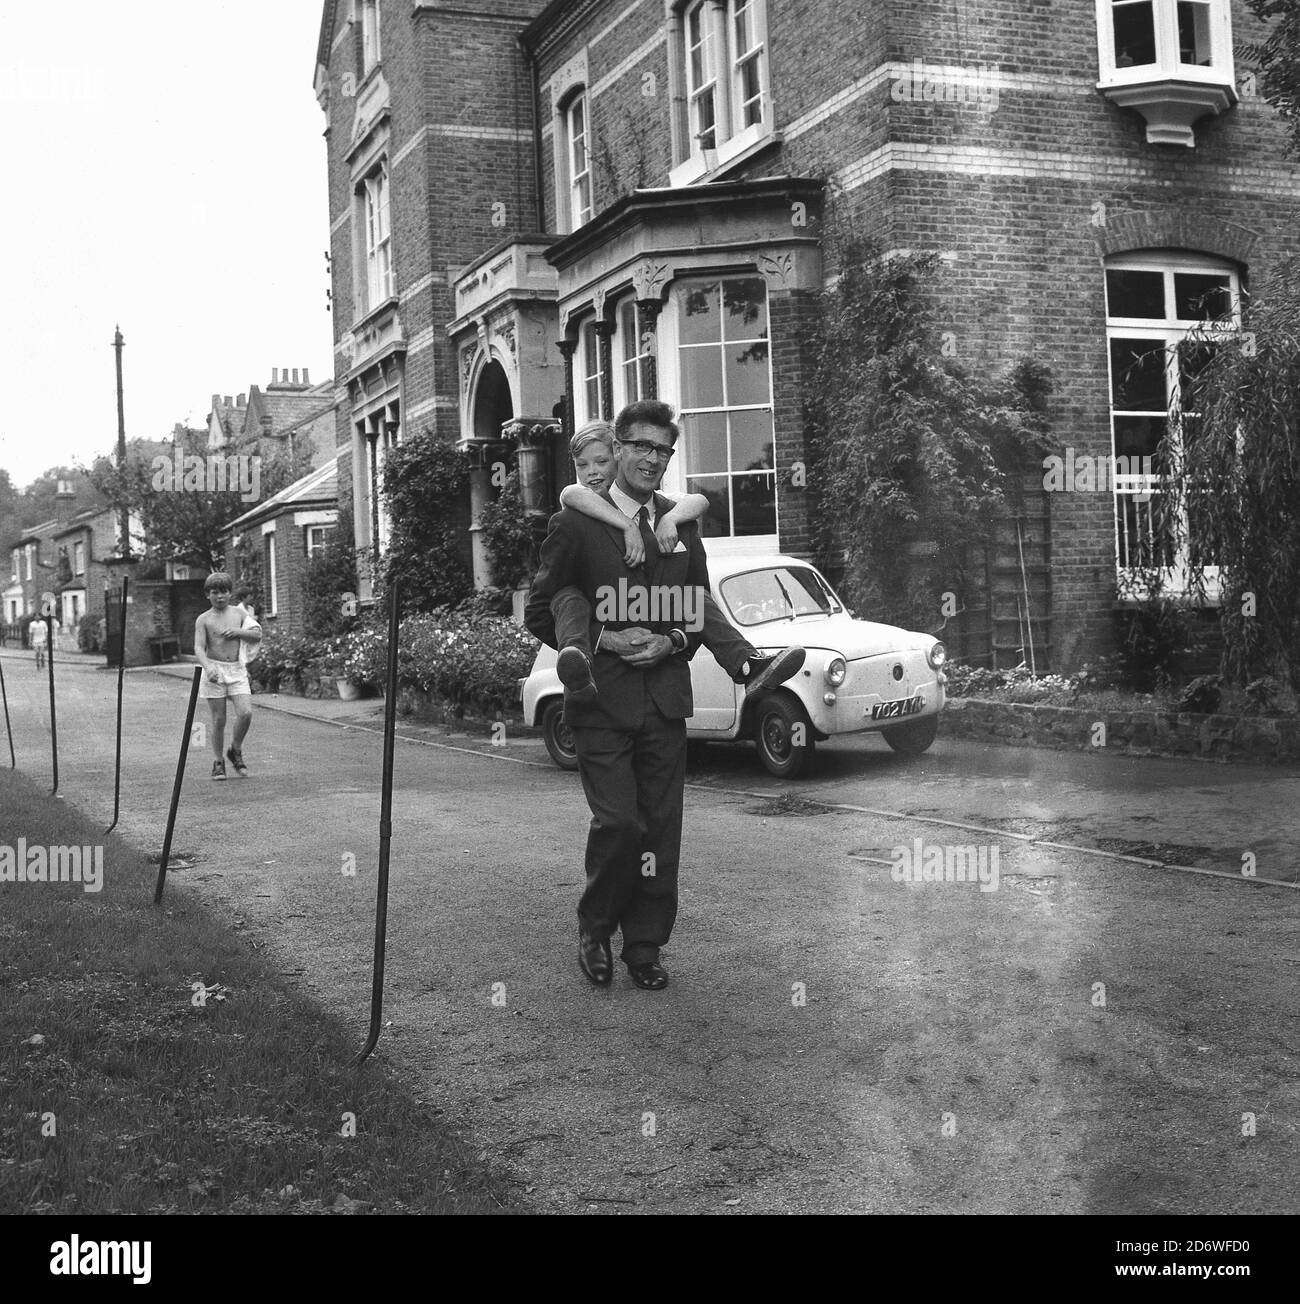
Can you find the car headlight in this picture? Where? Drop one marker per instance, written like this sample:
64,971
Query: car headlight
836,671
936,656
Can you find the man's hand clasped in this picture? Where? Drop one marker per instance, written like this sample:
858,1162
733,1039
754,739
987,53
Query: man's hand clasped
637,646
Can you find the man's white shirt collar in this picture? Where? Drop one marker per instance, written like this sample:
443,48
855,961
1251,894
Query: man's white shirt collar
629,505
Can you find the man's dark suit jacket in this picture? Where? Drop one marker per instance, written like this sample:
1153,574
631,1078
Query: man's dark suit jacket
587,554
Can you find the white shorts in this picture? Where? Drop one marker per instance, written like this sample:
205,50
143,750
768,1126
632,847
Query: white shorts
234,681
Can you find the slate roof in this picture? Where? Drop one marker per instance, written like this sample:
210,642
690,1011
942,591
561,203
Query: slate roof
318,488
288,409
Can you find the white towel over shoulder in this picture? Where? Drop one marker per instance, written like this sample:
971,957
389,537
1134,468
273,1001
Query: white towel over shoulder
248,652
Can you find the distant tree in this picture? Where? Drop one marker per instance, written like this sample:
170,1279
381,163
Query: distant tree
185,523
36,503
11,501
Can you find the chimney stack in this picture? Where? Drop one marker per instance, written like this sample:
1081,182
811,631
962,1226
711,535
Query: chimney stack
240,401
216,401
65,502
295,375
228,402
274,372
305,381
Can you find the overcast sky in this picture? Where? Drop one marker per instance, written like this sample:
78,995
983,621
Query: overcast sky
166,172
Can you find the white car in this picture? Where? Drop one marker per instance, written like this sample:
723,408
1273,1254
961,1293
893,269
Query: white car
858,677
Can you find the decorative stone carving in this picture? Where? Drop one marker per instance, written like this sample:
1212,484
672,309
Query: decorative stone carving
648,280
776,268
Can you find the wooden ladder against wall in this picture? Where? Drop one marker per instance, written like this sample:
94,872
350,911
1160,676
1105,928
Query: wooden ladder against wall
991,629
1020,585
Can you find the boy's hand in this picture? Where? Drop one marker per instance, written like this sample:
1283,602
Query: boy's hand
213,675
666,534
633,545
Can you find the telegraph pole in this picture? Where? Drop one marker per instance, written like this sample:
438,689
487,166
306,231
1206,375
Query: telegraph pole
125,509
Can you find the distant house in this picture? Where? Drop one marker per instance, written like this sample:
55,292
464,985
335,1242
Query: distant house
285,532
226,421
29,567
290,415
81,548
66,556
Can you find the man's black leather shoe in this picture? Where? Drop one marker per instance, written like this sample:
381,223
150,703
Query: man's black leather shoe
768,670
595,960
652,976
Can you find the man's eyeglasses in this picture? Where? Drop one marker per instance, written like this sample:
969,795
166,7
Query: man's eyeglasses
644,448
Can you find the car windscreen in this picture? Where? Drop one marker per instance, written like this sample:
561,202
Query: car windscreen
776,593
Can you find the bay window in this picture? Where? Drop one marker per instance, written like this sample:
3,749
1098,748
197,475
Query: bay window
1169,59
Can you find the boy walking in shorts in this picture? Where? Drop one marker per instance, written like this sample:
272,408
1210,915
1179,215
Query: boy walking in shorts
219,636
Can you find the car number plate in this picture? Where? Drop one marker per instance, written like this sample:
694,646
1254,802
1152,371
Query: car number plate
902,706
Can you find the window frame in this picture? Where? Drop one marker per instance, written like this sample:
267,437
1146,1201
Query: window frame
371,43
709,44
315,550
757,51
671,390
379,427
580,212
272,573
1171,331
631,364
376,275
79,557
1167,65
583,378
732,137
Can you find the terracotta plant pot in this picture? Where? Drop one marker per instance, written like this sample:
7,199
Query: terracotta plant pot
348,691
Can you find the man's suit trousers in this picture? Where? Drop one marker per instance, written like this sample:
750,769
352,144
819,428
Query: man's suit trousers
634,781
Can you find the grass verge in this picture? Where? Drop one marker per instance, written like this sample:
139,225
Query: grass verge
125,1089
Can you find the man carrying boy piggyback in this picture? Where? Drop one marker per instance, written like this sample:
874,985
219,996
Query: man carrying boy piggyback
219,636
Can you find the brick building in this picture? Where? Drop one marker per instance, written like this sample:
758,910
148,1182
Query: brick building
289,528
541,212
66,556
290,415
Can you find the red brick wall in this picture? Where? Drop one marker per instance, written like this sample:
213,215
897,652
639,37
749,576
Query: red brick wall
1011,195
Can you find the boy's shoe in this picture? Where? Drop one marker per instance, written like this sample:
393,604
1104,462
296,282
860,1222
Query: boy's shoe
767,670
236,758
218,768
574,671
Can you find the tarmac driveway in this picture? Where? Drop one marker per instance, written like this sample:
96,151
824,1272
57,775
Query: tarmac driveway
1087,1037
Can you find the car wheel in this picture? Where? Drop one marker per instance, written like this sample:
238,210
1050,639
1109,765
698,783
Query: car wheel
784,736
912,738
558,735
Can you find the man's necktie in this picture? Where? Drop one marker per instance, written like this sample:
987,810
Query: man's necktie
647,536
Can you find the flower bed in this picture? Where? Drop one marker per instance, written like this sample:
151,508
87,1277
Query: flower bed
457,663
